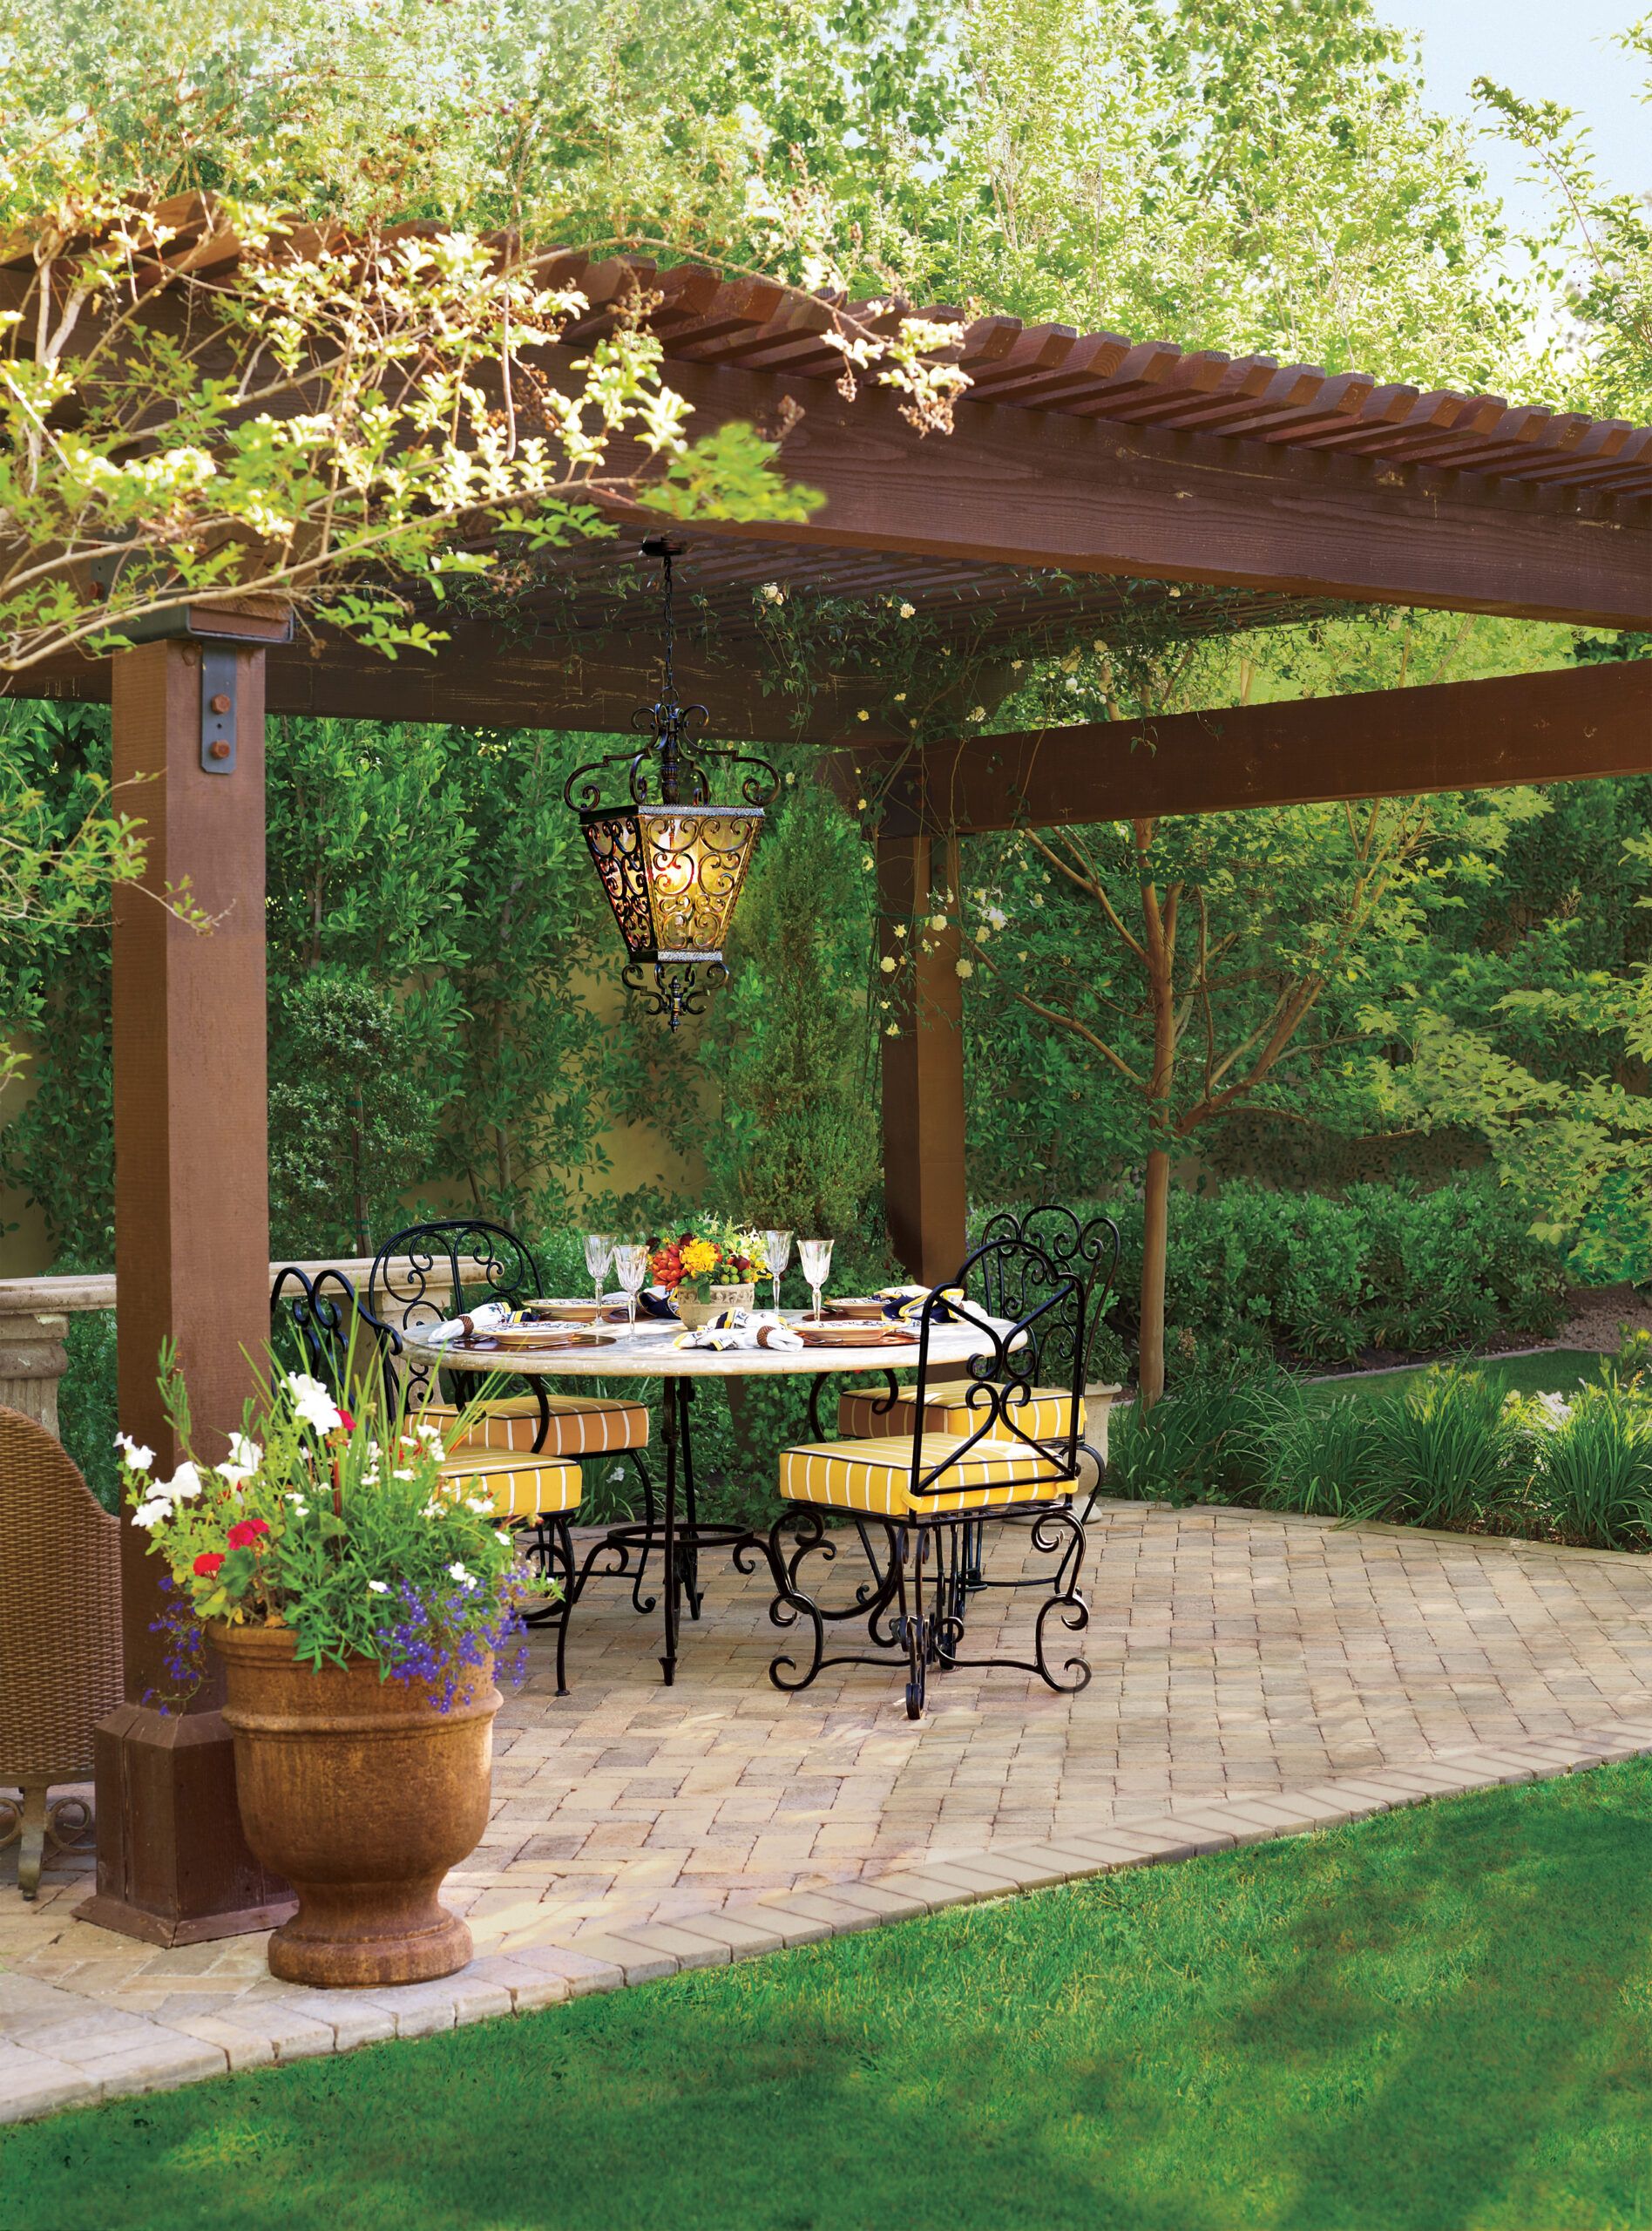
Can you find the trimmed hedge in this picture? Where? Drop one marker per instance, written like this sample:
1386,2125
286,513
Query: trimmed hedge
1254,1275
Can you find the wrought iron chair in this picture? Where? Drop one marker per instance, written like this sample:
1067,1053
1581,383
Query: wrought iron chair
322,1322
1012,1447
60,1669
1004,1283
485,1262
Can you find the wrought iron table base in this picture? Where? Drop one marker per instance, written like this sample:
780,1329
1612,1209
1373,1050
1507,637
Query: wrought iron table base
678,1538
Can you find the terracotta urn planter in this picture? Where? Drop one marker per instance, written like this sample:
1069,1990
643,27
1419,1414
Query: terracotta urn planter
363,1794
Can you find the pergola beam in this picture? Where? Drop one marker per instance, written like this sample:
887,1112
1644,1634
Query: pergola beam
1453,736
1032,488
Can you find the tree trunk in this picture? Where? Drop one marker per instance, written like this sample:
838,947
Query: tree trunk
1155,1236
1159,926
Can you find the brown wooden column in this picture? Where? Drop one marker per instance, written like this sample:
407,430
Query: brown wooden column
192,1248
924,1178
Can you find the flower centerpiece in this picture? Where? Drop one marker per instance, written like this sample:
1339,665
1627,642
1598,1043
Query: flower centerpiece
709,1269
358,1591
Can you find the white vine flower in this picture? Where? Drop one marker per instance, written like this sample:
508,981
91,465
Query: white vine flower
462,1573
138,1459
378,1587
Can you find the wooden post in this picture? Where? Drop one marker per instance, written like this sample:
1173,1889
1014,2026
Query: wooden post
924,1176
191,1249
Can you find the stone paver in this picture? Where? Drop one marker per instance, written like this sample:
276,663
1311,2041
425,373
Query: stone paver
1253,1676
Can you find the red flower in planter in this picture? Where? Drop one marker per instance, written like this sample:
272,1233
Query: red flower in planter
208,1563
246,1531
347,1423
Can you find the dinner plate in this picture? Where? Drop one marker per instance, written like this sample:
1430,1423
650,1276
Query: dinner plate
514,1340
854,1306
857,1336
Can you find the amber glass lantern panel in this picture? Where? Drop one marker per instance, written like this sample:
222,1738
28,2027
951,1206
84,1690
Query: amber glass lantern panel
695,859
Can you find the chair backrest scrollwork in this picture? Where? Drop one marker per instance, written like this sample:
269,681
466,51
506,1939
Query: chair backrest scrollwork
1042,1344
1086,1252
320,1321
433,1271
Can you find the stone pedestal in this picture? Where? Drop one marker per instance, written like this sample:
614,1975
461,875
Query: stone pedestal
32,1361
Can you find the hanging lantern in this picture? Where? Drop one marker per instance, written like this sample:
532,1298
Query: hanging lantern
672,862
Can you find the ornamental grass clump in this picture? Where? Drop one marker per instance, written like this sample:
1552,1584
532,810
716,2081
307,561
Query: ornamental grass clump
1210,1442
1448,1451
1590,1455
1326,1462
345,1529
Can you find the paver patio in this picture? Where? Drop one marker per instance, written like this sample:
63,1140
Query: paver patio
1252,1674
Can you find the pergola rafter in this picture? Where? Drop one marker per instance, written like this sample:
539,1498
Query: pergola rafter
1080,467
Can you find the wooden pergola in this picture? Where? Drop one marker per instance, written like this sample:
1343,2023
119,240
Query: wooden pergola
1086,473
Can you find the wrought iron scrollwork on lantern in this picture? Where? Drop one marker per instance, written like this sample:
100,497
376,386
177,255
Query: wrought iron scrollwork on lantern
671,861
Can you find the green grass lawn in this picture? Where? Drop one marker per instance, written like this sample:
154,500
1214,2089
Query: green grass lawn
1438,2020
1557,1371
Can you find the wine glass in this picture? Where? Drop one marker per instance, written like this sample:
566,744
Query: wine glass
598,1255
816,1258
779,1246
631,1264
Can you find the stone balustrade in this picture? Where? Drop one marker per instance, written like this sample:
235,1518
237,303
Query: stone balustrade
35,1312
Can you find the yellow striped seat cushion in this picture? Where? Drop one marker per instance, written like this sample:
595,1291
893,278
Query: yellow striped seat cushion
581,1425
517,1489
1045,1415
875,1476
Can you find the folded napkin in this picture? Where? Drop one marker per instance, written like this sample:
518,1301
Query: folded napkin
905,1303
656,1301
489,1317
741,1328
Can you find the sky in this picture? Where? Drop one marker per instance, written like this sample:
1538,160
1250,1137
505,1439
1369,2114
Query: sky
1541,49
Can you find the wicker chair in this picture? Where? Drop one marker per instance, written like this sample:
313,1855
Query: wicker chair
60,1657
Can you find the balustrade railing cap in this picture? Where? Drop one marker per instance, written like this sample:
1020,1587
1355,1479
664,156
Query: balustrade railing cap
96,1289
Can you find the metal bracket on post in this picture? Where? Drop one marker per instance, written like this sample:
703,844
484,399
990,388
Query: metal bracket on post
218,679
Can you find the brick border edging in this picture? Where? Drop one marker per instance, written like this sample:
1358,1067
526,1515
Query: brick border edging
125,2054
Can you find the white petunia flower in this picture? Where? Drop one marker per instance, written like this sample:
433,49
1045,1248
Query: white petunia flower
461,1572
149,1515
244,1458
184,1485
378,1587
138,1459
314,1405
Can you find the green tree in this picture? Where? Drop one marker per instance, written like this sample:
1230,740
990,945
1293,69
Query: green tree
1191,957
1596,253
794,1138
354,1113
